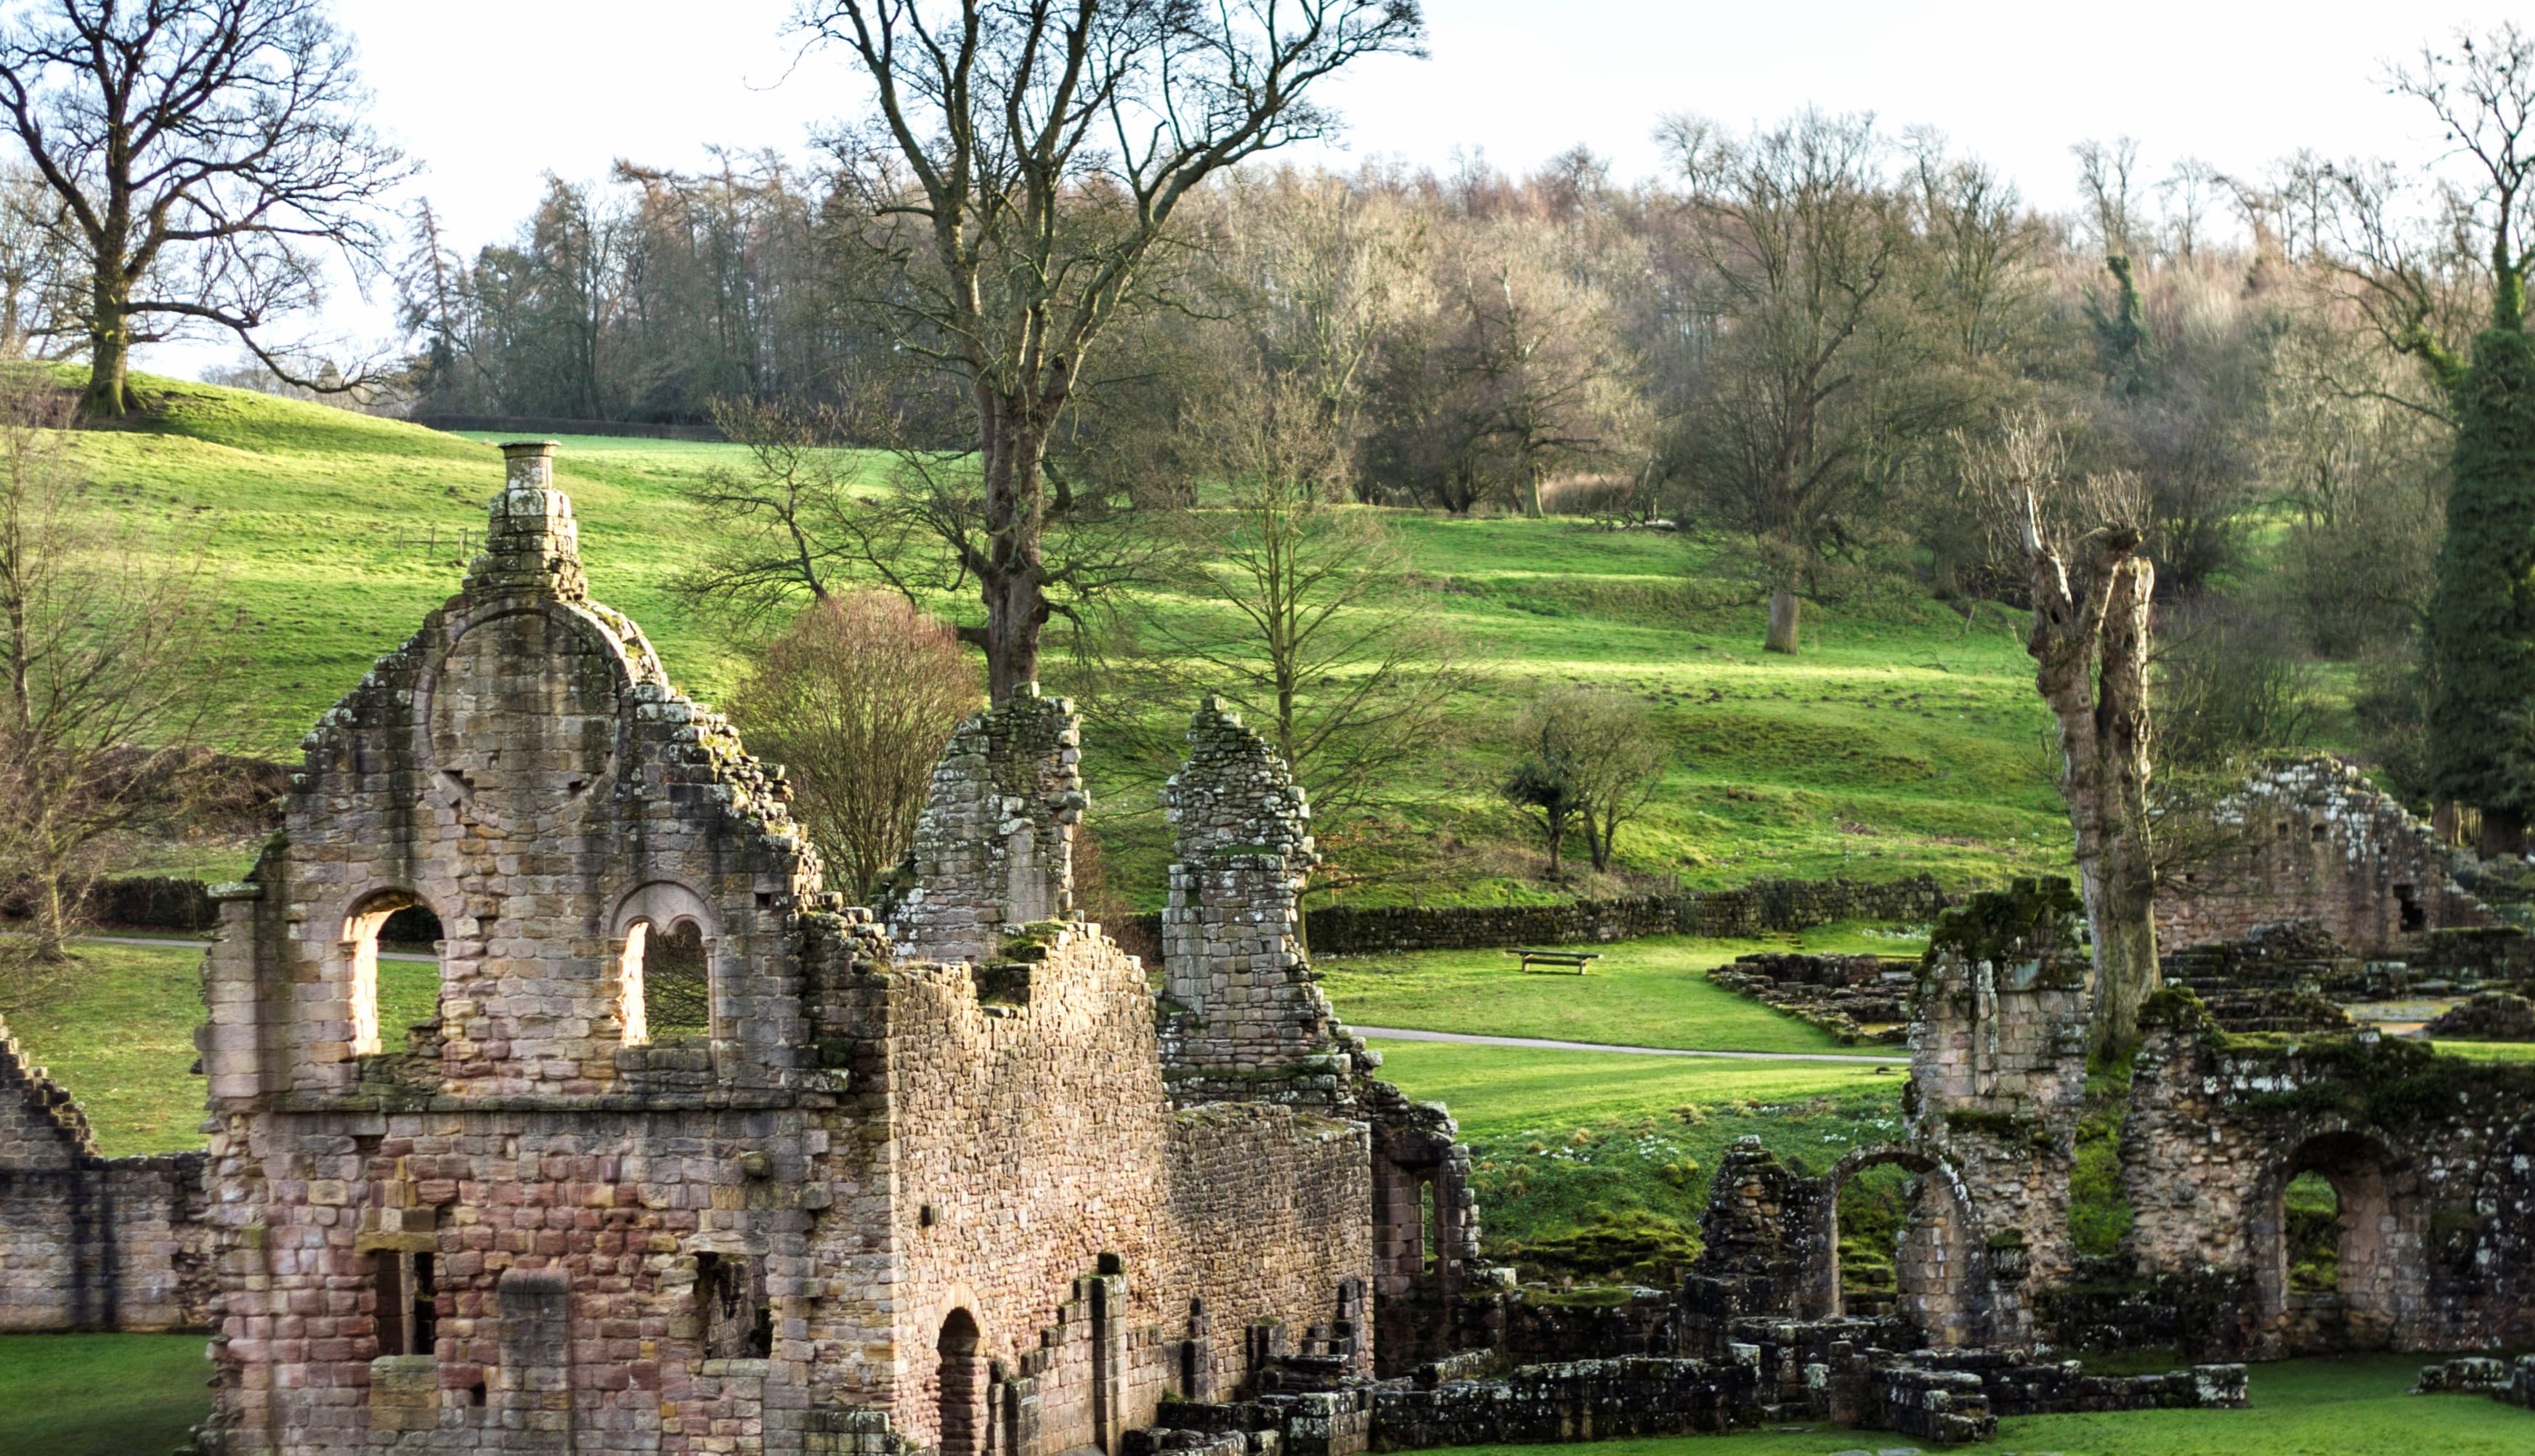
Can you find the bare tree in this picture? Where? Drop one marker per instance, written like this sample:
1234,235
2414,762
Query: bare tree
856,700
205,151
103,654
783,516
1611,756
2089,641
1303,621
1039,151
1809,398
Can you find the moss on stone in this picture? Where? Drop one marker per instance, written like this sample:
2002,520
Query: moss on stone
2029,919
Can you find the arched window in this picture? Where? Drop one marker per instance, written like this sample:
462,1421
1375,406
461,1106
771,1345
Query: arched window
664,968
405,990
665,990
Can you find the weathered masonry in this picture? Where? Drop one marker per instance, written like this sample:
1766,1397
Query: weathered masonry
2312,840
87,1242
689,1156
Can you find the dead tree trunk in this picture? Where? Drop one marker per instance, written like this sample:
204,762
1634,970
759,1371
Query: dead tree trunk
2092,667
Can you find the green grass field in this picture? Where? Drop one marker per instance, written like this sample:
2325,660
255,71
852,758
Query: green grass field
137,1395
1901,740
100,1395
1652,992
116,1027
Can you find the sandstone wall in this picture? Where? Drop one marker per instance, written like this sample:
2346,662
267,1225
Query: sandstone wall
994,850
1108,1248
2430,1158
89,1243
2312,840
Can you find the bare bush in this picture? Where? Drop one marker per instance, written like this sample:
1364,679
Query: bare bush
856,700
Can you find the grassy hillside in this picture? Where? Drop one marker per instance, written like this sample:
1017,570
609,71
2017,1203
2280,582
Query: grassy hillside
1900,741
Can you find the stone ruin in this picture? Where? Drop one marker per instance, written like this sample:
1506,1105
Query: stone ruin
1856,999
2310,839
88,1241
952,1176
933,1180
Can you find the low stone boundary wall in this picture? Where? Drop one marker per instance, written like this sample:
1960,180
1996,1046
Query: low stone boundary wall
1582,1400
1762,907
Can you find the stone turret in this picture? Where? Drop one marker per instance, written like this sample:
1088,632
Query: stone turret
1246,1010
994,851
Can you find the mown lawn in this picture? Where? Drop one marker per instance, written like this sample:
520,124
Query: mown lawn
1600,1161
100,1395
1901,740
137,1395
1652,992
2351,1407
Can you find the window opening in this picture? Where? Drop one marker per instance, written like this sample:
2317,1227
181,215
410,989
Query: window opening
1429,1231
2414,916
2311,1221
406,1309
730,1305
667,983
389,989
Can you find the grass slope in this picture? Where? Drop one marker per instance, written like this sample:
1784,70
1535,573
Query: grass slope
1899,741
1652,992
116,1027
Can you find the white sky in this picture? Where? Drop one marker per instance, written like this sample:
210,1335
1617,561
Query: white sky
493,95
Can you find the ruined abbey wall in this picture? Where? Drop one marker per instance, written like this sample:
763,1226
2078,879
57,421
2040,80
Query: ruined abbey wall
830,1197
2312,840
1032,1141
2431,1161
89,1242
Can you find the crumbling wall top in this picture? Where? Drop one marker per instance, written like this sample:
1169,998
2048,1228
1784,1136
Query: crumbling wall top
994,850
1235,795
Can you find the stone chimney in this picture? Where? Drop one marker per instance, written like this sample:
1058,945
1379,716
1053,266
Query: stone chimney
530,541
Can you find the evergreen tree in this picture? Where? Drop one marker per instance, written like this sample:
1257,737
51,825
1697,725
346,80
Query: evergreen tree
2481,663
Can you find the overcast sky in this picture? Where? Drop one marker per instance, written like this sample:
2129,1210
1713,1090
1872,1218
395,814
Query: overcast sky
492,94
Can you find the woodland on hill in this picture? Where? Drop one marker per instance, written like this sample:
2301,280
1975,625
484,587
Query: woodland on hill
1807,339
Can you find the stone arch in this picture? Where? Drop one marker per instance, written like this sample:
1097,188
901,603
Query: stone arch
356,956
1942,1264
960,1382
669,995
2382,1270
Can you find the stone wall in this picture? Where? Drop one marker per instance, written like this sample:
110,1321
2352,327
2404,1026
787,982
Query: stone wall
2429,1156
89,1242
1761,907
994,850
1997,1081
1835,993
1248,1018
1243,1019
869,1202
2312,840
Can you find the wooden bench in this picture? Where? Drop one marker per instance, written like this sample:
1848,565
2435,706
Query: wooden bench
1579,959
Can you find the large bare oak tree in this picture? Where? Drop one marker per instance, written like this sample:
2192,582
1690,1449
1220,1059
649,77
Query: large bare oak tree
205,153
1041,149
